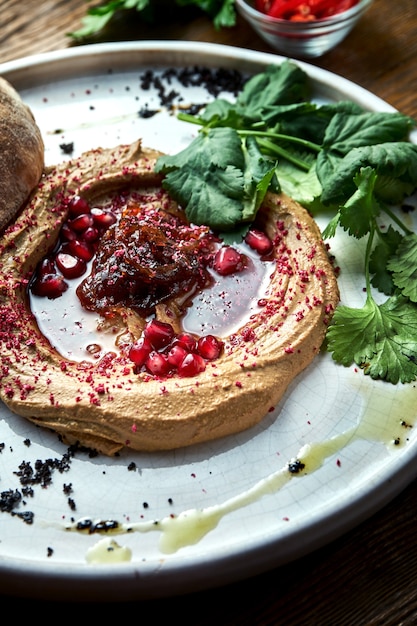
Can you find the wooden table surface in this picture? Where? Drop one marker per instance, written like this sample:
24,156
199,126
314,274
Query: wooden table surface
368,576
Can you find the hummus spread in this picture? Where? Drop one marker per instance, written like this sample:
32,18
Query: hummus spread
107,405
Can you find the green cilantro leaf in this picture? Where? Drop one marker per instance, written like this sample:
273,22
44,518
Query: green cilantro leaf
207,178
381,339
404,267
379,260
219,180
304,187
259,175
98,17
221,112
358,213
395,159
345,131
284,84
276,96
331,228
221,12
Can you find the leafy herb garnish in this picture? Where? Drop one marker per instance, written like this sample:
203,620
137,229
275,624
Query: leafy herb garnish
221,12
335,157
223,178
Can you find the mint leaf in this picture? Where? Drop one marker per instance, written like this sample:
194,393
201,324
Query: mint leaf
382,340
404,267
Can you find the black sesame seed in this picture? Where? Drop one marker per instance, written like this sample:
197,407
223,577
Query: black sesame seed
294,467
106,525
67,148
9,500
84,524
27,517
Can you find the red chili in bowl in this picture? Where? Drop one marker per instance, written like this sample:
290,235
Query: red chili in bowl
303,10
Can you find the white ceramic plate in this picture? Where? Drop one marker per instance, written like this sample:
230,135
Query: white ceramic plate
227,509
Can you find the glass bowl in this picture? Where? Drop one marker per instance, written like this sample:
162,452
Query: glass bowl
306,39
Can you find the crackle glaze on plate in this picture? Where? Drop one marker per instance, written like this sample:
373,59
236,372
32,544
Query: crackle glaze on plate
215,513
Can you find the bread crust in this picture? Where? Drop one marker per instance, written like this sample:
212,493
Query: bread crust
21,153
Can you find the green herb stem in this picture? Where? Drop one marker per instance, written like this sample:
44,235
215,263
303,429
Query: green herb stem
270,146
192,119
397,220
289,138
368,253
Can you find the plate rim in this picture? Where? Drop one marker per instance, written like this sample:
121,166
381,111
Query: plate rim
208,49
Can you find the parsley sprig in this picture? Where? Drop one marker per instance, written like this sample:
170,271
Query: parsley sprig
333,157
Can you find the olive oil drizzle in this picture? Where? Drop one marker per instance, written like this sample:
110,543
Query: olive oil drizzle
190,526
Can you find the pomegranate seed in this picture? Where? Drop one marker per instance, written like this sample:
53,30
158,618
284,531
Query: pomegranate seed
47,266
259,241
82,222
78,206
157,364
90,235
159,333
103,219
176,355
49,286
209,347
140,351
67,233
192,365
186,341
69,265
227,261
79,249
